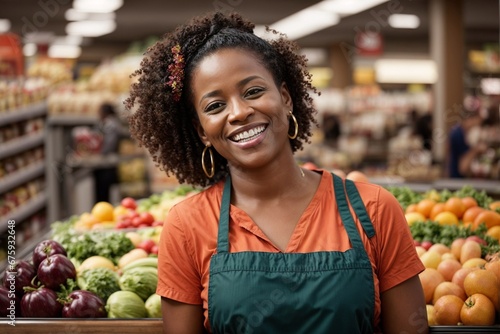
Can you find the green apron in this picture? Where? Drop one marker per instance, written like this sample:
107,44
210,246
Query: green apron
318,292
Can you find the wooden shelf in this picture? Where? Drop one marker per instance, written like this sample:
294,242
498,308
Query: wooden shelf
81,326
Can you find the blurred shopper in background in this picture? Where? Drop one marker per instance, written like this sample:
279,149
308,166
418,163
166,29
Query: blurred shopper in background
112,130
463,144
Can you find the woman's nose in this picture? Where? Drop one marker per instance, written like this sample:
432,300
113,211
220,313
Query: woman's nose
239,111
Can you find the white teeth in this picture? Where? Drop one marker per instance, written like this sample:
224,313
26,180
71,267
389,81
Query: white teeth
247,135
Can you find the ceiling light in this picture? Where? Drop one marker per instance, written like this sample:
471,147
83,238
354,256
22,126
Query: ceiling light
29,49
348,7
90,28
64,51
404,21
405,71
4,25
76,15
68,40
305,22
97,6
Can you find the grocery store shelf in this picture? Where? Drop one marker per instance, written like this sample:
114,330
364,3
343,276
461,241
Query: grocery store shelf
21,114
21,213
21,176
21,144
100,161
71,120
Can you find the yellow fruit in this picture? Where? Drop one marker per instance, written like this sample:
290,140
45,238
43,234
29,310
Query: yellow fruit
431,317
431,259
103,211
96,262
473,263
120,210
412,217
446,218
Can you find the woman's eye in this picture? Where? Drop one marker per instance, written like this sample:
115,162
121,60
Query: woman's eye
213,106
254,91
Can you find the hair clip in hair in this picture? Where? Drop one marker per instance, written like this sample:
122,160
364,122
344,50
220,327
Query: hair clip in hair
176,70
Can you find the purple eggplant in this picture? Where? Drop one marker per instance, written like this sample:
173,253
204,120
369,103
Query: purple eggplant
56,270
18,276
46,248
83,304
40,303
8,302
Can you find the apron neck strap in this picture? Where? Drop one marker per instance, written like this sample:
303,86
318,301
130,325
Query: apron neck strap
223,235
345,213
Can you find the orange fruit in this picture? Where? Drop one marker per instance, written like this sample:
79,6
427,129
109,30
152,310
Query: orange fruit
469,202
447,310
478,310
411,208
425,206
485,282
494,232
448,288
460,275
456,206
436,209
103,211
448,268
471,213
493,266
456,247
430,279
494,206
488,217
446,218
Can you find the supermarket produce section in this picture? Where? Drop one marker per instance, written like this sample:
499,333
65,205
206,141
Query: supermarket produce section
96,272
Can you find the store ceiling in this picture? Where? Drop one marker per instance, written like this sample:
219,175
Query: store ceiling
138,20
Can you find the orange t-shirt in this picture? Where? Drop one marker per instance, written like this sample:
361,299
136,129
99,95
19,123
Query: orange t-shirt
189,239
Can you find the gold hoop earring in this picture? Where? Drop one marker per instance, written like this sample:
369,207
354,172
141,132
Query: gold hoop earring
212,168
296,132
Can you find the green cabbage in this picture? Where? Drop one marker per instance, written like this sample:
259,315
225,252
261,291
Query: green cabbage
101,281
153,305
125,304
140,280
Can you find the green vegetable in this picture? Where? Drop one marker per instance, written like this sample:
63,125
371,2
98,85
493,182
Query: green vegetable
141,280
405,195
153,306
125,304
111,245
101,281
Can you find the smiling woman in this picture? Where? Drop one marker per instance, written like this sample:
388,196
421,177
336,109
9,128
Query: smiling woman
267,247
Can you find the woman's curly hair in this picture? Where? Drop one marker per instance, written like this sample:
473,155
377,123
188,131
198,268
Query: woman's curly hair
163,119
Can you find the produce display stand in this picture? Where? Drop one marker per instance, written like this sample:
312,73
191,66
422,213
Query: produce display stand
81,326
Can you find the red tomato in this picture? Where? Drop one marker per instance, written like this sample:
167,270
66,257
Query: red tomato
154,249
147,218
136,221
147,245
129,202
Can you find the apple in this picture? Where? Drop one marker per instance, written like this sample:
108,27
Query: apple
154,250
147,245
426,244
129,203
477,239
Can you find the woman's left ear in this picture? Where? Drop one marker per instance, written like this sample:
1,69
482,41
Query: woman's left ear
199,129
285,96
